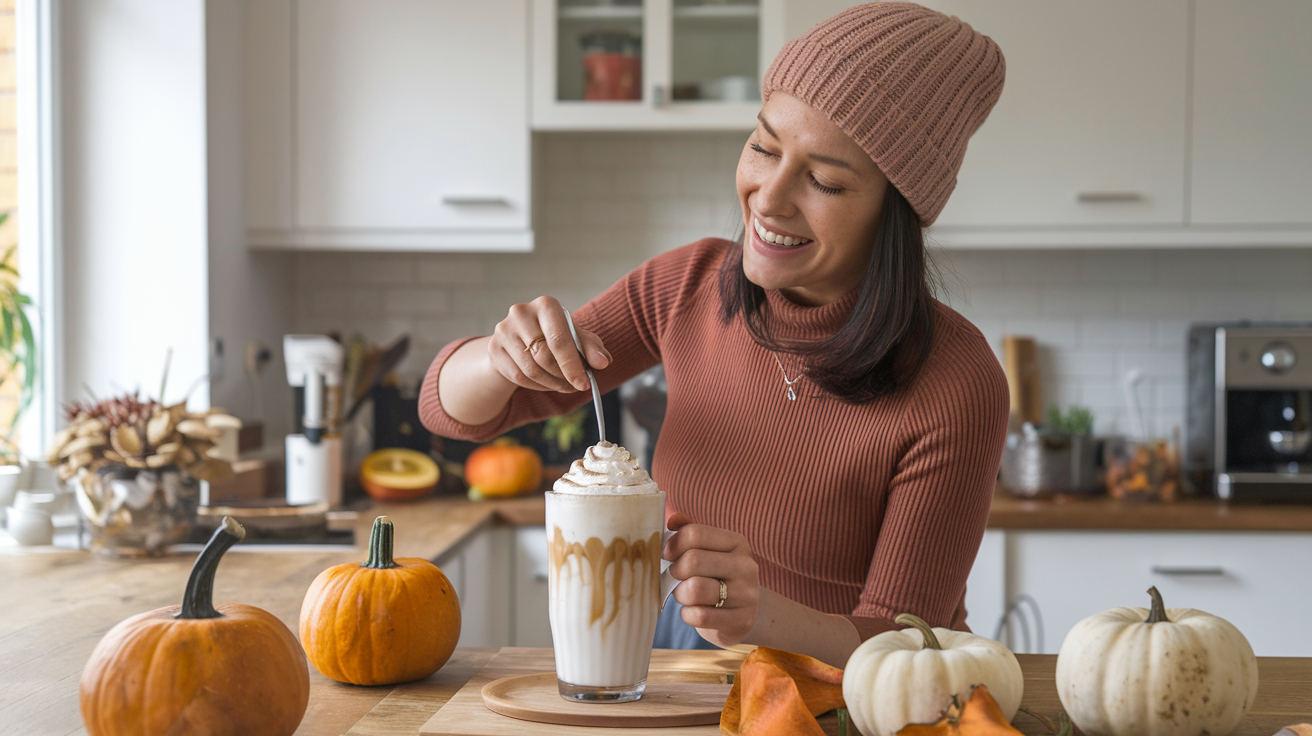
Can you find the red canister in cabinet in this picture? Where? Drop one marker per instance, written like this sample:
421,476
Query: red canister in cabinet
612,65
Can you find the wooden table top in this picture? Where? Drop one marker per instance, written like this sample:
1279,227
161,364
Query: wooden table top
1284,696
56,604
1107,514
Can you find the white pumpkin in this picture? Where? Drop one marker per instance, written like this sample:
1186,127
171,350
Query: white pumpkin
911,676
1158,672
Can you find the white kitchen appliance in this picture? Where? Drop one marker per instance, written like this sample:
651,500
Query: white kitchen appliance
314,450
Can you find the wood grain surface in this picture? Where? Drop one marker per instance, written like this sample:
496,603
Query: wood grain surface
1103,512
466,715
671,698
55,605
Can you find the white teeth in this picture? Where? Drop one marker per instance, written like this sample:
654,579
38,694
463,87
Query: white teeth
774,238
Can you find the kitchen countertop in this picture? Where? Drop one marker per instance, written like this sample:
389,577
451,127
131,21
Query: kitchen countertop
56,604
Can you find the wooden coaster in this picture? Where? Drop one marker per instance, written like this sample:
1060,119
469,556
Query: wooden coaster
673,698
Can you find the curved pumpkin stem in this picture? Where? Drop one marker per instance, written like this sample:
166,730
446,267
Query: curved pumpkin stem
907,619
1157,613
198,598
380,545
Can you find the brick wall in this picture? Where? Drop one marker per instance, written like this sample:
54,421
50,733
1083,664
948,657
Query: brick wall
604,203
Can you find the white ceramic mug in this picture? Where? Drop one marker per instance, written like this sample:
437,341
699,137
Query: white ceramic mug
607,590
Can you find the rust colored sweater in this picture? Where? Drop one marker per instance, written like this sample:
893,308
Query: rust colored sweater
866,511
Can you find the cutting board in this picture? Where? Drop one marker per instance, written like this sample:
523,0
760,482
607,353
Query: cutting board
466,715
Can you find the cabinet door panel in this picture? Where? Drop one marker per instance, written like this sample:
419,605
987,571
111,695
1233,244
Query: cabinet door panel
532,622
1094,105
1252,150
1242,577
267,86
412,114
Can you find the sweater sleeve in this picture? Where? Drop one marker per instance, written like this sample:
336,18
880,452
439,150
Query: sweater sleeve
954,422
631,317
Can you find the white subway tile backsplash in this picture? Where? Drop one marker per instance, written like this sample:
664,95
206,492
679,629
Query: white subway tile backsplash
603,203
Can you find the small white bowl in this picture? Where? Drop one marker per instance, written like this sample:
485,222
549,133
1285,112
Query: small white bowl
30,526
33,500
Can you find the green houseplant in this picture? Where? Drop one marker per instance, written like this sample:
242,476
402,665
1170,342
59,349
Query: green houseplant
17,348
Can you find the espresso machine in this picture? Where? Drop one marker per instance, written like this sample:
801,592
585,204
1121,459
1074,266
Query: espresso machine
1250,411
314,449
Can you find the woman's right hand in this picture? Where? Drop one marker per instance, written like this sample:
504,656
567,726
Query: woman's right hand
532,347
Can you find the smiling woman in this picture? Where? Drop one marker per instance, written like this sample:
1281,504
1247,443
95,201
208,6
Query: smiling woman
833,432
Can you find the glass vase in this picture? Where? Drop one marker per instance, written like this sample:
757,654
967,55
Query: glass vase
137,512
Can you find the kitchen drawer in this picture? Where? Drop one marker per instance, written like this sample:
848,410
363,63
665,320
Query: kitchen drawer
1250,579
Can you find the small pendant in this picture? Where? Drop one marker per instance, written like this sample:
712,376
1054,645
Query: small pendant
791,396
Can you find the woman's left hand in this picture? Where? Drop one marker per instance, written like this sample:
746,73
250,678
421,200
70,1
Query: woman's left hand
703,556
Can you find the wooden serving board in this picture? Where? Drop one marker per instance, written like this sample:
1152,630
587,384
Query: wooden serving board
672,698
467,715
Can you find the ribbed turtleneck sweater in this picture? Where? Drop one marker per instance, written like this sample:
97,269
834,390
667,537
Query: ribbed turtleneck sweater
863,510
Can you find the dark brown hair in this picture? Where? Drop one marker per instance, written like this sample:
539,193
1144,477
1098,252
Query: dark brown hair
885,340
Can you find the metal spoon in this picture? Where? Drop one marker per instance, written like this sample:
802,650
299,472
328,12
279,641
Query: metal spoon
596,392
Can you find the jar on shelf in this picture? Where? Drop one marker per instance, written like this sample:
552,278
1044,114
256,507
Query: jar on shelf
612,64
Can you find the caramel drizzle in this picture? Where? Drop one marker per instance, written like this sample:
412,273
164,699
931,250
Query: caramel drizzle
599,556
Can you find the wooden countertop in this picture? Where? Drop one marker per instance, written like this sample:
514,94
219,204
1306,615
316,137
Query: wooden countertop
1108,514
56,604
1282,699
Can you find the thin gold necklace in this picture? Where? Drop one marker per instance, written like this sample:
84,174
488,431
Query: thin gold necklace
792,395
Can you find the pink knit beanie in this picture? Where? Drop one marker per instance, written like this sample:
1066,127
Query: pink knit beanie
908,84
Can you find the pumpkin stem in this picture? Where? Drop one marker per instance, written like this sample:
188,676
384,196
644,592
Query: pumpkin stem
1157,613
198,598
380,545
907,619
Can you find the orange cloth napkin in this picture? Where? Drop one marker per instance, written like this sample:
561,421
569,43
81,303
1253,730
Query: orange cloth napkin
1298,729
778,692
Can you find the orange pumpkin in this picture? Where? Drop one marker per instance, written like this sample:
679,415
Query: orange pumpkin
196,669
503,468
383,621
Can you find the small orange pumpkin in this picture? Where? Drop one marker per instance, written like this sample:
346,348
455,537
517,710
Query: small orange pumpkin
383,621
398,474
226,671
503,468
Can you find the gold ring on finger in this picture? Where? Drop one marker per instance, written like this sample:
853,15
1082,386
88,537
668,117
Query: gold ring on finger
534,343
724,593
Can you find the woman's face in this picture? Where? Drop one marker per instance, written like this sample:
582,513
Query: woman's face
802,178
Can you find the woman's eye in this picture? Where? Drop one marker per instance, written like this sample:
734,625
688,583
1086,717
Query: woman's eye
757,147
822,188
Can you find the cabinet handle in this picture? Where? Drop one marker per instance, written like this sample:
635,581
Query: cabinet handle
1168,570
658,95
1102,197
474,201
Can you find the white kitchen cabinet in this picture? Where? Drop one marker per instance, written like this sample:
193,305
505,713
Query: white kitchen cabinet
1252,113
686,45
1247,578
1090,128
388,125
479,570
532,627
987,585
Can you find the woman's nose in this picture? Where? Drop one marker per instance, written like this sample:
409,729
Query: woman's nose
773,196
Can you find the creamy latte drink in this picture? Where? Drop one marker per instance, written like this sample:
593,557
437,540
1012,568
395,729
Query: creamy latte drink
604,529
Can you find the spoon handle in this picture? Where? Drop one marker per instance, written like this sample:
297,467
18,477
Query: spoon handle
592,379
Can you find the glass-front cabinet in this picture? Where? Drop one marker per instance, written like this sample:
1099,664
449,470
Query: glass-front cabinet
651,64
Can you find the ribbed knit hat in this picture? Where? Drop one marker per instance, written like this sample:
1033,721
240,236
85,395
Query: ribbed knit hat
910,85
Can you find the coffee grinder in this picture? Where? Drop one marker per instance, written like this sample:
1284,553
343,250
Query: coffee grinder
314,449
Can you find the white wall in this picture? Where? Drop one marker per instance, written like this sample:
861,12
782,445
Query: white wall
606,202
250,294
134,188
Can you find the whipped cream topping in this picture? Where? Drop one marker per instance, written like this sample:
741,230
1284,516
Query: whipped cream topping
605,469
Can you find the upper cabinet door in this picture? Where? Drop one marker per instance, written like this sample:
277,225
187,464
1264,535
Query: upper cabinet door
1252,132
411,116
1090,129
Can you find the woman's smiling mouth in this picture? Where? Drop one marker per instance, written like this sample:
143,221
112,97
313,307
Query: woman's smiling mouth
773,238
